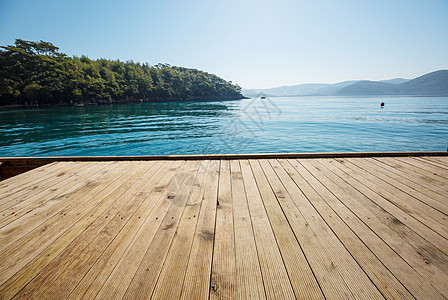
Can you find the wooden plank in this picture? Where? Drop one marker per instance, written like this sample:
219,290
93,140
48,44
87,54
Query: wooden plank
144,280
93,281
352,274
438,163
369,190
48,246
427,215
295,203
131,246
407,202
170,281
427,253
197,276
248,273
123,272
83,251
293,228
408,187
430,178
15,228
428,166
34,176
117,195
40,193
19,254
388,285
39,183
300,273
13,196
223,275
26,206
401,240
67,230
275,276
430,190
14,184
439,160
430,171
42,160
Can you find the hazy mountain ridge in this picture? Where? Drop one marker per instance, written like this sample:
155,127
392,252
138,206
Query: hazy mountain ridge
307,89
431,84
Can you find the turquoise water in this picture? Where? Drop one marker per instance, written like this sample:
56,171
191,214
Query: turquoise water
289,124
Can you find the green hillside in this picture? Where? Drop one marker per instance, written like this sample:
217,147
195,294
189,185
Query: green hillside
36,73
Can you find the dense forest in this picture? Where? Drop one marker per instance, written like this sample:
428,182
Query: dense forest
36,73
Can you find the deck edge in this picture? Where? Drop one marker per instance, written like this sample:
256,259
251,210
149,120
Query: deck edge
221,156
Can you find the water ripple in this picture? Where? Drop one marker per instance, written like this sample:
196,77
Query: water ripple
302,124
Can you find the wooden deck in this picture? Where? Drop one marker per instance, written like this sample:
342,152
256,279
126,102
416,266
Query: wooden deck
284,228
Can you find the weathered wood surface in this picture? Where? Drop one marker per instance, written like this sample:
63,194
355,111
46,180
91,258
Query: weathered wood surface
12,166
268,227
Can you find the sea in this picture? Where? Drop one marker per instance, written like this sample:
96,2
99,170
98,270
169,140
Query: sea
257,125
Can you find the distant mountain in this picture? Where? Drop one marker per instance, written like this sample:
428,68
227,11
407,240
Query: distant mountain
308,89
395,80
431,84
369,88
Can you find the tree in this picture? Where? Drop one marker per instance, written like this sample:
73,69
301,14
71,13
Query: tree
37,72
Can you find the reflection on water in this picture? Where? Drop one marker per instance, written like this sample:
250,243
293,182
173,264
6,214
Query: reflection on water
292,124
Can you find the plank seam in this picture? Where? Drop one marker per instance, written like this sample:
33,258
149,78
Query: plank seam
348,226
253,232
57,239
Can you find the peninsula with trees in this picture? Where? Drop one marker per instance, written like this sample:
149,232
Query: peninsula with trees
37,74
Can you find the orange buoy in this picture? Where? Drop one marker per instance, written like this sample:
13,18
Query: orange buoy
382,104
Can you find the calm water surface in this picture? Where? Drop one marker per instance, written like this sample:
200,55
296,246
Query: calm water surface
289,124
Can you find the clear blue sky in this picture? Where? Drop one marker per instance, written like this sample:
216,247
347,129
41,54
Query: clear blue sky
255,43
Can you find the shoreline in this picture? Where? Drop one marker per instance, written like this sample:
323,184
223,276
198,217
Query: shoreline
84,104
